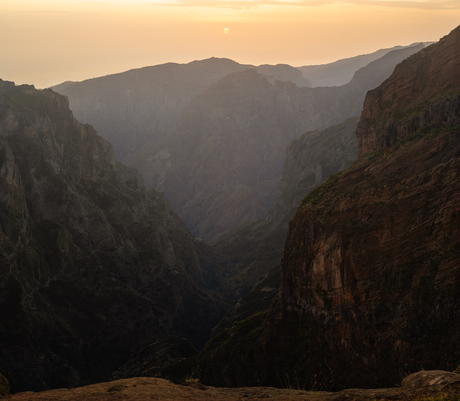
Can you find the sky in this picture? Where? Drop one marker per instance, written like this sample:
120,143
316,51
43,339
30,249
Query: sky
46,42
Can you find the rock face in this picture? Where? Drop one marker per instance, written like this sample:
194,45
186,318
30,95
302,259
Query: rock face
371,270
248,252
92,267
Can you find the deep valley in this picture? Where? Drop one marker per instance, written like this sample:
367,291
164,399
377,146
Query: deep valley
242,231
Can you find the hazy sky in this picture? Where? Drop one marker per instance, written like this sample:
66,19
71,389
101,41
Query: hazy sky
46,42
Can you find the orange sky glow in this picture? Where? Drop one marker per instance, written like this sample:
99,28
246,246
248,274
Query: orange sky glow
47,42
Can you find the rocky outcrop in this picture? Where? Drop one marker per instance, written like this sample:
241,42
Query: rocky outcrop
92,267
370,274
439,385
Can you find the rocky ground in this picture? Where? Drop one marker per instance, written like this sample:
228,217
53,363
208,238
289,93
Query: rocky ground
417,386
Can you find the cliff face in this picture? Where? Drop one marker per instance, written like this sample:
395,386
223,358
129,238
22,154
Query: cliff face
371,269
248,252
92,267
419,96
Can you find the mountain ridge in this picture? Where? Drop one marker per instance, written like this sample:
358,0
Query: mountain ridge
221,169
370,272
92,266
341,72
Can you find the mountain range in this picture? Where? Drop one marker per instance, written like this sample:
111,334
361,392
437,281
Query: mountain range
370,279
214,142
341,72
354,282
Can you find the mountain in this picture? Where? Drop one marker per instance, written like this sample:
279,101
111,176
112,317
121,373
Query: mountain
341,72
222,169
221,163
370,283
137,106
284,73
246,253
93,267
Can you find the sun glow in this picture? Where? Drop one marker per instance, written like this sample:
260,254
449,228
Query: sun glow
47,42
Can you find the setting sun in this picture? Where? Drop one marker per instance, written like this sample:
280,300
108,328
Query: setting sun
74,40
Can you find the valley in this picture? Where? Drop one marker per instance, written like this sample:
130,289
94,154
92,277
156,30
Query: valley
234,228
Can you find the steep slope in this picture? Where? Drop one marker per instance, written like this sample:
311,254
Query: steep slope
221,164
248,252
341,72
370,284
92,267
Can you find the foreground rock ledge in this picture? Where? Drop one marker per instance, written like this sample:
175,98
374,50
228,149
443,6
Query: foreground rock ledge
415,386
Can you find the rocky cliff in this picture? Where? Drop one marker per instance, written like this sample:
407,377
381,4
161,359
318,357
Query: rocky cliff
371,269
248,252
92,267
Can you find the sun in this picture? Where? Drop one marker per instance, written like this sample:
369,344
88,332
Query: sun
226,30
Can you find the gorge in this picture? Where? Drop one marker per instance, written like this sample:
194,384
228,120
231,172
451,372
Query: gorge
101,279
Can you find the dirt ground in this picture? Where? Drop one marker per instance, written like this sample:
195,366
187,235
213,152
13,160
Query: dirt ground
415,386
